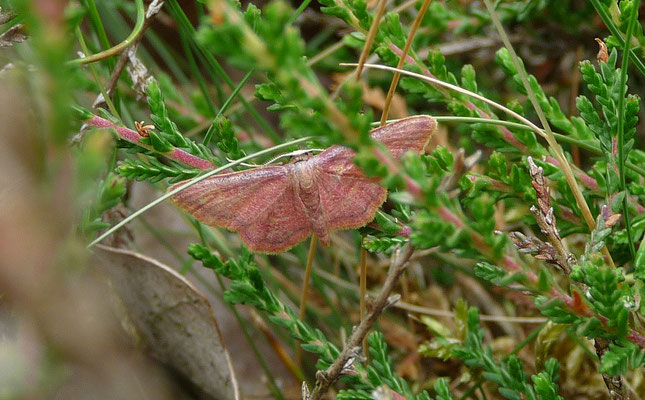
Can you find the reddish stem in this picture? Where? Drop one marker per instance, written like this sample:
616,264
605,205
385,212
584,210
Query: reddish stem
507,135
511,265
134,137
586,180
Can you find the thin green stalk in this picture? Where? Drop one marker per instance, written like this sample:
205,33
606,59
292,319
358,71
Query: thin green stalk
237,89
621,125
201,57
97,23
108,101
215,70
325,53
299,11
116,22
201,12
273,386
334,318
192,182
609,23
319,39
529,338
578,340
141,16
481,390
550,138
472,389
161,238
227,103
195,71
168,56
209,236
213,65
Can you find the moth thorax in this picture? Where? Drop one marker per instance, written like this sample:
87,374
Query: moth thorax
309,196
306,187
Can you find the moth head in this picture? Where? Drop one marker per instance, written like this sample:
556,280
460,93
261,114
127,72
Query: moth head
296,156
301,155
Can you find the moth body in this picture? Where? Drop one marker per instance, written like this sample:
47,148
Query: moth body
304,175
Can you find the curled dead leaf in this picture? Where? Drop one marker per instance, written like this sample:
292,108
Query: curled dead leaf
172,318
603,54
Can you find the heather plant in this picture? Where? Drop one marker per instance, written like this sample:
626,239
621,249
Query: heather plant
508,260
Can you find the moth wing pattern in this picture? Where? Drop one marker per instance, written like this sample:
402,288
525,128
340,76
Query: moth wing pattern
407,134
349,199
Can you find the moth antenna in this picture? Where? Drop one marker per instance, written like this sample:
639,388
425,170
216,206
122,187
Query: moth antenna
293,154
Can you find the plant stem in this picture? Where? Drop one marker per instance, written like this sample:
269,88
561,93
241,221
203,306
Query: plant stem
363,288
305,288
95,20
401,63
299,11
370,37
621,125
134,137
324,379
608,21
104,92
121,46
123,58
553,143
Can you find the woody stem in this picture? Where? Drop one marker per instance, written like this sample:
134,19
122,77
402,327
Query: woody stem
324,379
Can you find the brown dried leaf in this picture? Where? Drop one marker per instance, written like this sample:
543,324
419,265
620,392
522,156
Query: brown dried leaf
609,217
6,16
15,34
172,318
542,191
602,55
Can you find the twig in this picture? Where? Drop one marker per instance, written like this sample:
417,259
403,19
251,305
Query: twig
15,34
549,137
555,252
380,10
615,386
153,10
406,50
119,47
6,16
546,219
324,379
363,287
